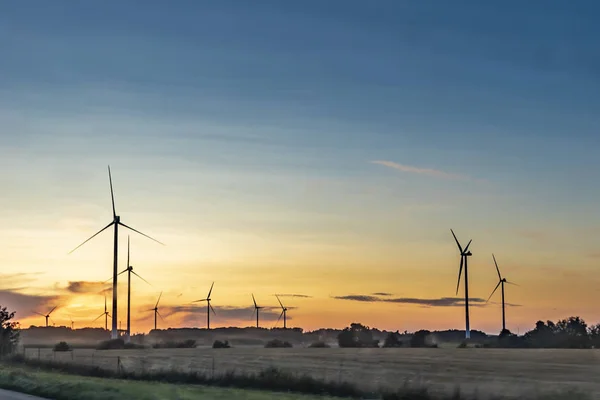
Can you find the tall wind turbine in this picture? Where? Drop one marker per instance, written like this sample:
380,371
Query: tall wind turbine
105,314
115,222
209,307
283,314
155,309
501,282
464,257
130,271
256,310
47,316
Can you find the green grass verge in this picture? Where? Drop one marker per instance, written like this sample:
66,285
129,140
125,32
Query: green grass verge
60,386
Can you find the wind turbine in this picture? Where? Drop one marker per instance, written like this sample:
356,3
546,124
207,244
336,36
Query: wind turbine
464,257
256,310
155,309
115,222
106,315
72,322
209,307
130,271
47,316
283,314
501,282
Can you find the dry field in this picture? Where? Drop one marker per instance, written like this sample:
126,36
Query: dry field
508,372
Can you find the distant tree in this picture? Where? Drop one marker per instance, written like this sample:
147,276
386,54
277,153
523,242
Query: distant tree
357,335
419,338
9,332
392,340
221,345
62,346
594,334
567,333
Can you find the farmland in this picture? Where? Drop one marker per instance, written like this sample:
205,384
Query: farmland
487,371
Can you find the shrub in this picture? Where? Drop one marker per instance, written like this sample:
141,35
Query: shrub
319,345
221,345
276,343
462,345
62,346
392,340
9,332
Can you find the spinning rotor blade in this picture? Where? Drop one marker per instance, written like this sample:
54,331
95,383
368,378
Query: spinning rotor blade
143,234
93,236
459,274
494,291
497,269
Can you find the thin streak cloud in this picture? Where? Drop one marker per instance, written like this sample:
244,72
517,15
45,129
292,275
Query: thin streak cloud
421,171
439,302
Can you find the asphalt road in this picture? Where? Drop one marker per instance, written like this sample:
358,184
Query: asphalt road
8,395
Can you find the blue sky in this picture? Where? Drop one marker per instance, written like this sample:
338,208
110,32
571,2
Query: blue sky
265,118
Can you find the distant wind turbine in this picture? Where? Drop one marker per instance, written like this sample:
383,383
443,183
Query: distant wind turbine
105,314
501,282
209,307
130,271
47,316
115,222
155,309
256,310
283,314
464,257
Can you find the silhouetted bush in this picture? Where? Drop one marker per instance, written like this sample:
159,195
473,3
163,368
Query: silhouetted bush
462,345
276,343
221,345
392,340
185,344
567,333
61,346
9,332
357,335
319,344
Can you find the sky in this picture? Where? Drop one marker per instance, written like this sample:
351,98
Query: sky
317,150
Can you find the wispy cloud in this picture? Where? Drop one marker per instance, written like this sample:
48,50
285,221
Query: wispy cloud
421,171
439,302
81,287
303,296
381,294
196,314
25,304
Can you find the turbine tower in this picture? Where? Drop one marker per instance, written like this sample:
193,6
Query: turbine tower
256,310
464,257
105,314
501,282
130,271
155,309
209,307
115,222
283,314
47,316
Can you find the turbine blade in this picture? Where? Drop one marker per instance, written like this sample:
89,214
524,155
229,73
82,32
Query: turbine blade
98,317
143,234
210,291
127,251
159,296
51,320
93,236
133,272
112,195
52,310
253,312
122,272
512,283
459,274
497,269
254,300
279,319
35,312
494,291
458,244
468,244
212,309
280,303
161,317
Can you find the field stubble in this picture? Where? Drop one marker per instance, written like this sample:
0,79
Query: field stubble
487,372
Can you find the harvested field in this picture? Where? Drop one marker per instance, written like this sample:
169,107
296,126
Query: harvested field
510,372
